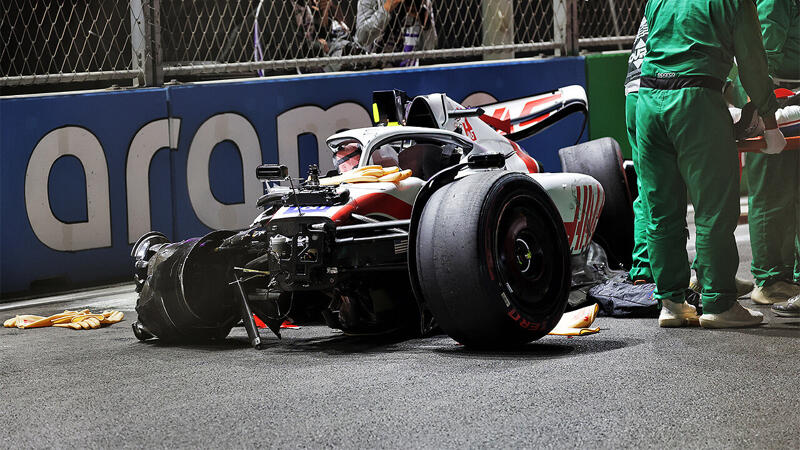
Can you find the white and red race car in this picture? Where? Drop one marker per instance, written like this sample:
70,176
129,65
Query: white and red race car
435,216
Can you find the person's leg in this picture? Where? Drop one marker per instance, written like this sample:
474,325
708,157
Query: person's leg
771,215
664,191
640,268
702,130
797,245
791,307
797,220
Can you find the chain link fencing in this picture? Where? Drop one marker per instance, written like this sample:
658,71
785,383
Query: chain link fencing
150,41
217,36
605,23
67,41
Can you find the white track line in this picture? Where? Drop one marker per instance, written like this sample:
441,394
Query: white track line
119,296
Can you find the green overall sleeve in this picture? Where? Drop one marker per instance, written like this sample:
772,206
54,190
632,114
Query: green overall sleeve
775,19
736,95
752,60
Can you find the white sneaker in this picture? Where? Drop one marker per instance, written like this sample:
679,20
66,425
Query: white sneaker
776,292
743,287
677,315
736,317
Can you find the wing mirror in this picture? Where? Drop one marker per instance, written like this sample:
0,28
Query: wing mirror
486,160
272,172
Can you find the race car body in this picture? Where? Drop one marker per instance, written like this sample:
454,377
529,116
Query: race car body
579,198
433,217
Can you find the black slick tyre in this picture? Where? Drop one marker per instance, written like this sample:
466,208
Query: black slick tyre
602,160
493,260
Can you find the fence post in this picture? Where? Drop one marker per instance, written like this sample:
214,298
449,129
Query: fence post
138,47
498,26
573,28
566,27
146,42
155,43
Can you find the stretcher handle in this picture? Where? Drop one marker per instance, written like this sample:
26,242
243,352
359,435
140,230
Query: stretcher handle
754,145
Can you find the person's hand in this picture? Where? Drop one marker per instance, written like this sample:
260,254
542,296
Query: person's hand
747,122
390,5
324,45
773,136
775,141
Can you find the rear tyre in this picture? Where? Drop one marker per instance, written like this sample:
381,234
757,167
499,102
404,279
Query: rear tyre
493,260
602,160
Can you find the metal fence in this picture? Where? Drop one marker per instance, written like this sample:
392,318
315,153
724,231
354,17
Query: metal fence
50,42
609,22
148,41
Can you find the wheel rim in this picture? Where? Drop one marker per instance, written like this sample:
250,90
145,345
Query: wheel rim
524,253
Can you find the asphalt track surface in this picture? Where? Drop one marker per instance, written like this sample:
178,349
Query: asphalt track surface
631,385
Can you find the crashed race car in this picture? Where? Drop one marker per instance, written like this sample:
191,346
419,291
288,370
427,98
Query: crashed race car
435,218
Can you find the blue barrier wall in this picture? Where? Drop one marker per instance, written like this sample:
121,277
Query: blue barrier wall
83,175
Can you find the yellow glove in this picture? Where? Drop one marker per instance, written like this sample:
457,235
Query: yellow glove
78,320
367,174
576,323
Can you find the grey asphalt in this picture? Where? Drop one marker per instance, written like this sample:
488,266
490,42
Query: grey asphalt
631,385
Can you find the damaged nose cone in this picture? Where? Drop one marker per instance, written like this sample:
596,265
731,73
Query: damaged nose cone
142,251
142,248
184,295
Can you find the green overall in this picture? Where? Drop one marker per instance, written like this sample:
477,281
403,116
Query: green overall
685,139
774,202
640,267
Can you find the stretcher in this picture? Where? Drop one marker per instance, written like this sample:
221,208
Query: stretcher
788,118
754,145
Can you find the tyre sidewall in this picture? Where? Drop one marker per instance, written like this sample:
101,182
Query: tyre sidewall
534,322
454,252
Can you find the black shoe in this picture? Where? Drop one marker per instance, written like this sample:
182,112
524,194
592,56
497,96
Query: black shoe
789,308
694,298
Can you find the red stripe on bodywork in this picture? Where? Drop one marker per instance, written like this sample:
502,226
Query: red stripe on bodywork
534,103
530,163
498,114
376,202
572,227
601,200
586,214
593,218
503,126
587,217
579,213
602,196
582,222
569,227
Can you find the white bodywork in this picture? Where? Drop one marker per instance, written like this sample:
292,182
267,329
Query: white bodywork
578,198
